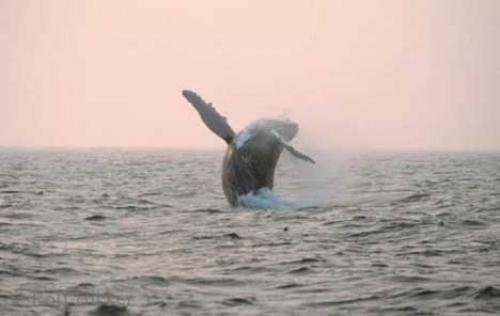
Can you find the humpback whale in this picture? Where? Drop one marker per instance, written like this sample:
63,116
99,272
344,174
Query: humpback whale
252,154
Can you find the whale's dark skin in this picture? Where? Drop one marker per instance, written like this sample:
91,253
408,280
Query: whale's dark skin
252,155
250,167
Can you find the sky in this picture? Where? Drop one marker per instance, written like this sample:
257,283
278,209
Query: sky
391,74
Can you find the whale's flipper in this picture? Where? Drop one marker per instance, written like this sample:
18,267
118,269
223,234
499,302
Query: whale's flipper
292,150
213,120
297,153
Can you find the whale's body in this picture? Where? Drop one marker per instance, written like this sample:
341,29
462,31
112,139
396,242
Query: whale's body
252,154
250,161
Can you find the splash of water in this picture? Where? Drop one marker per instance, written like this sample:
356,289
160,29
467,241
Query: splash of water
263,198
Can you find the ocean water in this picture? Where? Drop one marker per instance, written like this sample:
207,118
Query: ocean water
148,232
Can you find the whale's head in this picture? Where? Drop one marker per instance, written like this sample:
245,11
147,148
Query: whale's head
286,128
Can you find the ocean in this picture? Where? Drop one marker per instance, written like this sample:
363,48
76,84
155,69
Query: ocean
149,232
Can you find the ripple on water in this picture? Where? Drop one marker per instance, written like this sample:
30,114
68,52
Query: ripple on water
342,302
224,236
428,293
159,280
301,270
110,310
208,211
474,223
156,280
237,301
289,286
487,292
417,197
305,260
96,217
102,222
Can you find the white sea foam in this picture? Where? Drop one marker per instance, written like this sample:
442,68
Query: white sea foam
264,198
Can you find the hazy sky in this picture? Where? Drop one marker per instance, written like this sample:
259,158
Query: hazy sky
378,74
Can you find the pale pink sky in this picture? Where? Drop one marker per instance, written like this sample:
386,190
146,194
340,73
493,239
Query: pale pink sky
376,74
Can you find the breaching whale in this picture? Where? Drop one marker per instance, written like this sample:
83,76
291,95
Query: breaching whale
252,154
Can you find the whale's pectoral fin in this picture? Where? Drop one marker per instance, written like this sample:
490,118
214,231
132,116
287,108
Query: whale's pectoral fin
297,153
213,120
291,149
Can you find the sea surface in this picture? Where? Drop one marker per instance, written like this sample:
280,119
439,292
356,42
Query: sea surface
149,232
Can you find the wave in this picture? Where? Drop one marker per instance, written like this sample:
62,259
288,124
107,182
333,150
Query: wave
106,309
235,301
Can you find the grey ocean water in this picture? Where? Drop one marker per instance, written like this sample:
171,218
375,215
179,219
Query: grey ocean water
148,232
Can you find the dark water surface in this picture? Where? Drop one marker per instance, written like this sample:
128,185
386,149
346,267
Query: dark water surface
138,232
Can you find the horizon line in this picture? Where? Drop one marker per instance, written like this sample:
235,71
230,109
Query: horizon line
222,147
